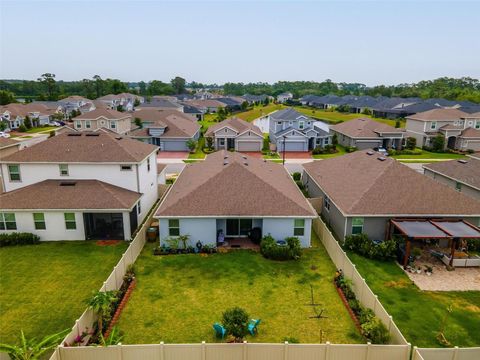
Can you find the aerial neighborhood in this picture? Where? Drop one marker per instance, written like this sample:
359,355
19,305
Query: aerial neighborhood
331,207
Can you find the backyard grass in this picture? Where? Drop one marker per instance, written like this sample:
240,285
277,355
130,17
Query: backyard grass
179,297
419,314
259,111
198,154
43,288
34,130
430,155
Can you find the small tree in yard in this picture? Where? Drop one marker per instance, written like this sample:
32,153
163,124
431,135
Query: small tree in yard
22,128
335,141
209,142
31,349
438,143
191,144
138,122
101,303
235,321
27,122
411,143
136,102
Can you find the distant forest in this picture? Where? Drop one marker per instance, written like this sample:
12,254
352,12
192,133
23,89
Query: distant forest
47,87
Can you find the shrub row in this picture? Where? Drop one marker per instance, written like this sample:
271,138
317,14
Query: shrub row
18,238
405,152
327,149
371,326
271,250
361,244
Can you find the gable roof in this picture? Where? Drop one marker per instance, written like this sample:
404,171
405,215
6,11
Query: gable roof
470,133
236,124
233,184
84,147
8,142
74,98
439,115
22,110
109,114
161,103
177,123
209,103
78,195
360,184
363,128
466,171
288,114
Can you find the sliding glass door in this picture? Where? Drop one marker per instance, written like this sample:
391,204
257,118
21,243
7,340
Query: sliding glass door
238,227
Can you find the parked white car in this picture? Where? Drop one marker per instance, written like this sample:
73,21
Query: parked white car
4,134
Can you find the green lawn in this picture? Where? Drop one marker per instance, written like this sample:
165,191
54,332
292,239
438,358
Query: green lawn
43,288
417,313
430,155
198,154
34,130
179,297
259,111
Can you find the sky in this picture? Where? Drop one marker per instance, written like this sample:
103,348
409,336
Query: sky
376,42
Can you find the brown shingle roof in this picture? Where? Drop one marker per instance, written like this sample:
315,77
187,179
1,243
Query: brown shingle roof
360,184
7,142
103,112
363,128
178,124
236,124
206,103
439,115
470,133
466,171
223,185
96,147
84,194
23,110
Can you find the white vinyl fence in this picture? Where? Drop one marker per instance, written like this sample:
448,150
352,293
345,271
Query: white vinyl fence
244,351
363,292
446,354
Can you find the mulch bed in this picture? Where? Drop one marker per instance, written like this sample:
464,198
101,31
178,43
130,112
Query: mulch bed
108,242
349,309
120,307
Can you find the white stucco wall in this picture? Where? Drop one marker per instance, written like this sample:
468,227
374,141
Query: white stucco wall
203,230
148,185
280,228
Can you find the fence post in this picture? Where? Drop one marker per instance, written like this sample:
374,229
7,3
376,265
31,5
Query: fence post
390,324
367,355
162,350
204,350
327,350
77,327
245,350
408,352
455,353
285,351
414,353
375,304
119,352
115,275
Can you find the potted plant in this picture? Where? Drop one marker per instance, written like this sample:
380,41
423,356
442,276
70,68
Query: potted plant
428,270
416,252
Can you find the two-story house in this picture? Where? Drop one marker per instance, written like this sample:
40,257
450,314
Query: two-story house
74,102
116,121
295,131
79,186
460,129
236,134
125,100
284,97
14,115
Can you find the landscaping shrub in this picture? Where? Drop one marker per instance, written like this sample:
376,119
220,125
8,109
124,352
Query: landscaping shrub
375,331
266,143
296,176
473,244
302,188
327,149
17,238
392,152
350,149
438,143
235,321
361,244
22,128
411,143
271,250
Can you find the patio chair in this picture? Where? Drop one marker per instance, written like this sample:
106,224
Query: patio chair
252,326
220,331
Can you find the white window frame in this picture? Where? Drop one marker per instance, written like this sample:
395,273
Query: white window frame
301,125
78,124
148,164
4,222
139,208
63,170
477,124
42,221
358,225
68,221
88,124
433,125
16,173
298,230
113,124
172,227
327,203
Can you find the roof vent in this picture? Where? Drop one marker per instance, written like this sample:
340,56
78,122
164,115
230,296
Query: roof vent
461,161
68,183
118,138
92,134
245,163
225,162
370,153
74,134
244,157
382,158
225,157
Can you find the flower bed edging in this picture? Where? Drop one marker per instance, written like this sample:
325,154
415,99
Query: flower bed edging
120,307
349,309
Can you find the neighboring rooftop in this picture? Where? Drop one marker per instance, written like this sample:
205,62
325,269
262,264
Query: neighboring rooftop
22,110
69,195
233,184
439,115
236,124
178,124
287,114
7,142
99,146
208,103
466,171
363,128
361,184
103,112
160,103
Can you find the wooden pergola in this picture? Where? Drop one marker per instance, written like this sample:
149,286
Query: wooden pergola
423,229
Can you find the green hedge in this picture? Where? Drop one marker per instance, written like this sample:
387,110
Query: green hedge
271,250
361,244
18,239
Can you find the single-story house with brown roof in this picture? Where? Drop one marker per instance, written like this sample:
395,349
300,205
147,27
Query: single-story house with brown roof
365,133
237,134
168,129
362,191
231,193
461,175
70,210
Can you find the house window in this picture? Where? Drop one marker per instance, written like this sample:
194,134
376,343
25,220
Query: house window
139,208
87,124
357,225
148,164
299,227
318,141
70,223
458,186
78,124
63,169
326,141
433,125
39,221
173,227
222,142
7,221
308,122
14,172
301,125
477,124
279,123
290,123
225,130
113,124
125,167
327,203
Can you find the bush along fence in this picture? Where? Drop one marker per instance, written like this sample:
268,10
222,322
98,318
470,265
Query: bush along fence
446,354
364,295
236,351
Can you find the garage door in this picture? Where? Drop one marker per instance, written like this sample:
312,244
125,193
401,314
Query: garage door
249,146
292,146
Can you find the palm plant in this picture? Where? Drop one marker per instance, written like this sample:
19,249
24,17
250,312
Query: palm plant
114,338
31,349
101,303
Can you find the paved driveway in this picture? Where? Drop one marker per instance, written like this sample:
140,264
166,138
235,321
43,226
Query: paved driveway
296,155
254,154
179,155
